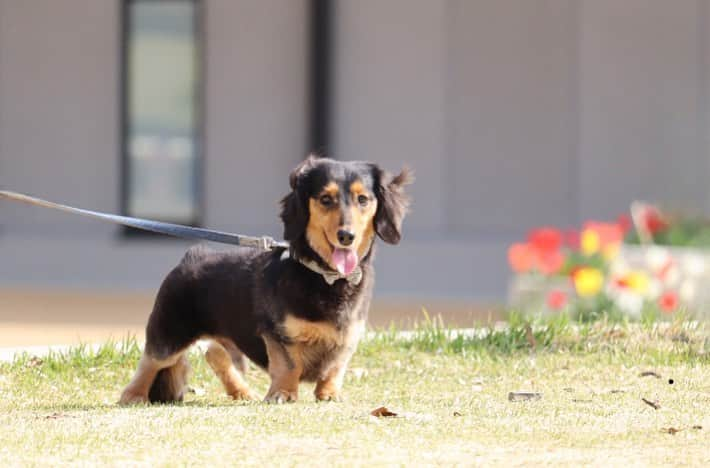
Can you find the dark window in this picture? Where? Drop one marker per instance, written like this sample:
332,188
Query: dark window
161,130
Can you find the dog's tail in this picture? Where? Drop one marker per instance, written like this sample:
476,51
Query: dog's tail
170,384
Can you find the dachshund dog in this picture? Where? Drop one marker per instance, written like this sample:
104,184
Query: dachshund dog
299,312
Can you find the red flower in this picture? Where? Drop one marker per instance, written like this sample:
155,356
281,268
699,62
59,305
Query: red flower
609,233
525,257
572,239
541,252
521,258
545,239
550,263
573,271
668,302
556,299
652,219
624,222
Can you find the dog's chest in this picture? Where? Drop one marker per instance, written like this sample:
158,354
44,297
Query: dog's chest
321,344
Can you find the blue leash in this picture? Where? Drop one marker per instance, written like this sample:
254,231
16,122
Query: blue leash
175,230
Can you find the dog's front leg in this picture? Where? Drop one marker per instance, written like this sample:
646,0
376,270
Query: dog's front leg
329,387
285,369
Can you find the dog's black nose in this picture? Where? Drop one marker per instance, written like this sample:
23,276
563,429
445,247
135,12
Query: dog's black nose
345,237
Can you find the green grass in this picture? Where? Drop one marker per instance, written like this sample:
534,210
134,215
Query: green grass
450,391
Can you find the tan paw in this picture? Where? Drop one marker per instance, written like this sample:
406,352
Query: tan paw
281,396
130,398
244,395
329,396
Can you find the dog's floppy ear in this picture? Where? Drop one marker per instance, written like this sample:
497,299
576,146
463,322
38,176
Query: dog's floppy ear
392,203
303,167
294,212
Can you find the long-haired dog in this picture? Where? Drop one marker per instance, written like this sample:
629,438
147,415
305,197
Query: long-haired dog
297,313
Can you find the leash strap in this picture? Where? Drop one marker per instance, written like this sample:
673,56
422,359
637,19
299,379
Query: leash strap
175,230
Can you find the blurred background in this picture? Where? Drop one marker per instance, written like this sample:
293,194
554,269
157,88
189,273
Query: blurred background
514,113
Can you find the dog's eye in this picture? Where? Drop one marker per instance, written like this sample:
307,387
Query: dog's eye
363,199
326,200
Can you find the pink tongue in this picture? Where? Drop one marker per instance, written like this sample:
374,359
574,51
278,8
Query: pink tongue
344,260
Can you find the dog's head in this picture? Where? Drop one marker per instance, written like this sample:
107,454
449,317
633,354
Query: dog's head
336,208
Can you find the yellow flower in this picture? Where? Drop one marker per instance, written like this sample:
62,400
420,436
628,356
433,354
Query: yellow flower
637,281
588,281
589,242
611,251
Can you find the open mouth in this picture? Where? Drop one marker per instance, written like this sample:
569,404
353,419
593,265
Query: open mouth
344,260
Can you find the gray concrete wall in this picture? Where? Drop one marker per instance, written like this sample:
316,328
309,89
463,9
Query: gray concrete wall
643,95
513,113
59,134
521,113
257,109
59,77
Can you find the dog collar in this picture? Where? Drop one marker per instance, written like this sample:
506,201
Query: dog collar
330,277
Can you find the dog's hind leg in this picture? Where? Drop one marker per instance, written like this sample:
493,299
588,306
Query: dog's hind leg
170,384
223,364
157,380
153,372
238,358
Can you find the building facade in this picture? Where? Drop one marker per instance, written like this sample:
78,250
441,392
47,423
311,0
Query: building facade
512,113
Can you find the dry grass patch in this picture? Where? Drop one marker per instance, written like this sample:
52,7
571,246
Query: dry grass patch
451,400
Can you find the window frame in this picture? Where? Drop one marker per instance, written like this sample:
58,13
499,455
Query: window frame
198,109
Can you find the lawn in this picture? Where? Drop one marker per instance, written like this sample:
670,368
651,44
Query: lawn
450,393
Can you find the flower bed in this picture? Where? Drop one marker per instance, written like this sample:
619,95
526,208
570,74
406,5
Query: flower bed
599,269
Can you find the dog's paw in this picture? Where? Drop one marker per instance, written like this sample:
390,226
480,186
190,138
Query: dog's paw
281,396
129,398
329,396
244,395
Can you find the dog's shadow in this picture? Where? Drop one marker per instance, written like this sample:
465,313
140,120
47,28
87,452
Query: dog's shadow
69,410
57,411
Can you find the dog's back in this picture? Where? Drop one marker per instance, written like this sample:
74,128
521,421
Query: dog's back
209,294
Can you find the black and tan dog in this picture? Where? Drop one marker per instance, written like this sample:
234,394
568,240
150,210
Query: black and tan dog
297,313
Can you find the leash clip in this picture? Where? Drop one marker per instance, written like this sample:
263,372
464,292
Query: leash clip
269,243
